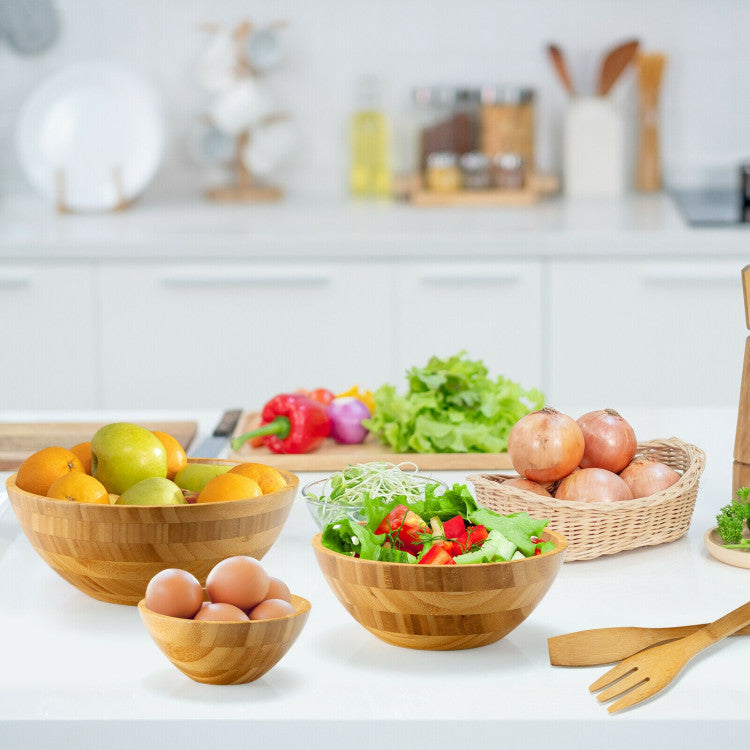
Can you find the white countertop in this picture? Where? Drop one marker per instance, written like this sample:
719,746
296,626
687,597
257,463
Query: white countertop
75,672
298,228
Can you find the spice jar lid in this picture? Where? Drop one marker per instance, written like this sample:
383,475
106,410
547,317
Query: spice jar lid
442,159
474,161
445,96
506,95
508,161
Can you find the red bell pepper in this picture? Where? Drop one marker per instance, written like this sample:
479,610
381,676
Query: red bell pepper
291,423
453,527
406,528
438,554
473,536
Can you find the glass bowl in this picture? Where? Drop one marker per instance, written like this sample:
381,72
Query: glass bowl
325,511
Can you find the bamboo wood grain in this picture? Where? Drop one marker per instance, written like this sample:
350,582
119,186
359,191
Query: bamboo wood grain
614,64
440,607
586,648
646,673
225,653
745,273
111,552
18,440
333,456
648,164
742,433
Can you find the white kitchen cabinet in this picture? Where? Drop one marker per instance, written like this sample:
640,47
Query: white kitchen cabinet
49,336
492,310
646,333
211,334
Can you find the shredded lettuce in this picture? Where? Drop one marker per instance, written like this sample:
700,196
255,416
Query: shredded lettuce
451,406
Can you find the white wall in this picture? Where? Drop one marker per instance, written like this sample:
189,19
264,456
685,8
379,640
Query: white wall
706,107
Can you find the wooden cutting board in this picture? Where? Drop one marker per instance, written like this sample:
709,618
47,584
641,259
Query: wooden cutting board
18,440
332,456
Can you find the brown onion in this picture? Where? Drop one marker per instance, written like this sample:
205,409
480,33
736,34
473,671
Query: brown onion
545,445
593,486
526,484
645,476
610,442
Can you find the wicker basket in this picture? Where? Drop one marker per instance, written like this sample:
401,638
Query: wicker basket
595,529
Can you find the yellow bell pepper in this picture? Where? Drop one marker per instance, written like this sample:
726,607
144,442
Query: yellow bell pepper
364,396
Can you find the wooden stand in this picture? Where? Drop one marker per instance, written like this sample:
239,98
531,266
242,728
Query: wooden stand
741,468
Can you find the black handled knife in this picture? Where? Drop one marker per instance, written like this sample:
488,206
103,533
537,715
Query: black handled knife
212,446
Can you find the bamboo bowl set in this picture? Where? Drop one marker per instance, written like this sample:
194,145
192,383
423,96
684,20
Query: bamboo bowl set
596,529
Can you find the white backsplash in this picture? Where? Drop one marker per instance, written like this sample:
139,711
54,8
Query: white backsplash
705,103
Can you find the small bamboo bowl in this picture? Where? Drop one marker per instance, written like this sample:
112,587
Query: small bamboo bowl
225,653
111,552
440,607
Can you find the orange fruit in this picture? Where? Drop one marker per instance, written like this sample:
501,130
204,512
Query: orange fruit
268,478
80,487
229,487
40,469
176,456
83,451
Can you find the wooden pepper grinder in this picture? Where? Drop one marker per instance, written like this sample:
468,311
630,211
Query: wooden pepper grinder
741,469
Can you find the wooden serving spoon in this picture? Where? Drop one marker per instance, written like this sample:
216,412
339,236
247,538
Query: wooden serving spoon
561,67
586,648
614,64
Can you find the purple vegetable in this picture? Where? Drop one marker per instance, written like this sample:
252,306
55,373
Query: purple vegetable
346,414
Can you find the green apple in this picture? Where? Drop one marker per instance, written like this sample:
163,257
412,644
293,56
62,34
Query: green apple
152,491
194,477
123,454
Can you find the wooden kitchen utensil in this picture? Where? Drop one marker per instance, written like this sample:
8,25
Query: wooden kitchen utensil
648,169
615,62
588,648
646,673
561,67
741,468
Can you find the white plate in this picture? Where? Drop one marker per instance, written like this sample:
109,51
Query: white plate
95,131
714,545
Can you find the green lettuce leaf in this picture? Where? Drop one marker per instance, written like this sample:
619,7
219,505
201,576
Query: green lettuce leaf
349,538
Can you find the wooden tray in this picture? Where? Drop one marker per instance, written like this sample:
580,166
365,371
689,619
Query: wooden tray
332,456
714,545
18,440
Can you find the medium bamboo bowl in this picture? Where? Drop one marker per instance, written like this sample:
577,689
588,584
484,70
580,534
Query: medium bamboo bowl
111,552
225,653
440,607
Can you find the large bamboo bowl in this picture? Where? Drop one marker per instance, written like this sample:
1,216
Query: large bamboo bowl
225,653
440,607
111,552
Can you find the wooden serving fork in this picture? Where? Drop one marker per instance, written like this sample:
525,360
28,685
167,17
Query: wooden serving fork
646,673
589,648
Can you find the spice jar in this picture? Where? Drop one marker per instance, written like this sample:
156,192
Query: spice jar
475,170
508,172
507,122
443,174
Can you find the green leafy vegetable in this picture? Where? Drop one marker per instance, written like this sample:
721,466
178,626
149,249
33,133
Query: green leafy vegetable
451,406
732,519
349,538
517,527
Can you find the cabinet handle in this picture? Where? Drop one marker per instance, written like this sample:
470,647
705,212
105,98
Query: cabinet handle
206,281
691,277
14,280
469,279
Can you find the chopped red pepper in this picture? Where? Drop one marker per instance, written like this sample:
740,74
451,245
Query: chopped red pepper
473,536
453,527
408,527
323,395
438,554
292,423
537,551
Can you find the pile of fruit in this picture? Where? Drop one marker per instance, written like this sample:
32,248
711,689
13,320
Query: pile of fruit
126,464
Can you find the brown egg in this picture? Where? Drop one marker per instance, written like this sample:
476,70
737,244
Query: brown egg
174,592
239,580
270,608
221,612
277,589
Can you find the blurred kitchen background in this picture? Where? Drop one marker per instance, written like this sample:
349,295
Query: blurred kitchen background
185,298
332,44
